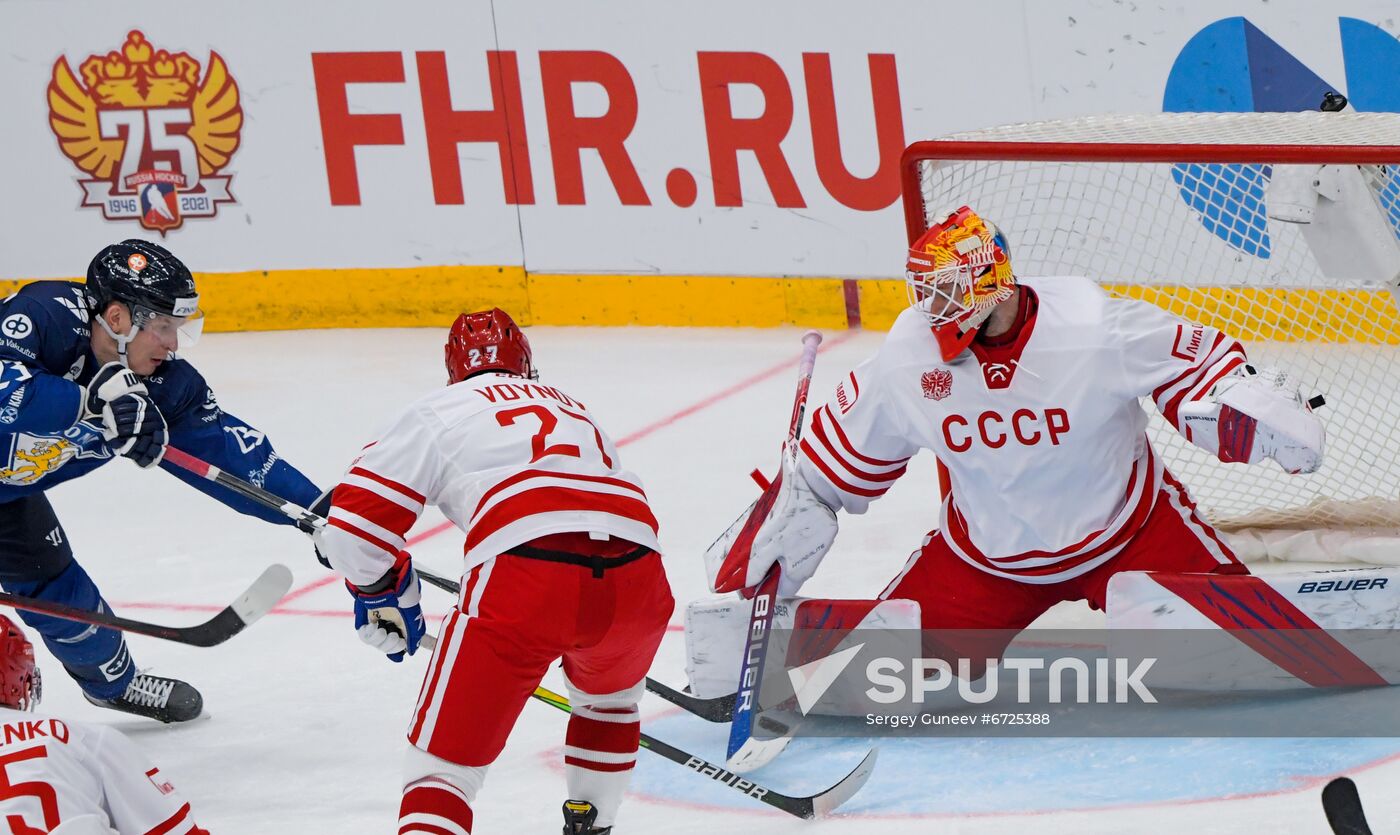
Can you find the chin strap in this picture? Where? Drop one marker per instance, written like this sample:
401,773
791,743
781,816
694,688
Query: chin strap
122,341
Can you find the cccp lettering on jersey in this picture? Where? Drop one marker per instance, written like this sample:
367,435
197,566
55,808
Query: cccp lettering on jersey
994,430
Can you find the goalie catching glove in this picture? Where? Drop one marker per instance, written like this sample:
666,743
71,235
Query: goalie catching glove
1254,415
389,612
787,525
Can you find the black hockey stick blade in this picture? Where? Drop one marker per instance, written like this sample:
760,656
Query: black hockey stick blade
441,582
259,598
816,805
1342,803
718,709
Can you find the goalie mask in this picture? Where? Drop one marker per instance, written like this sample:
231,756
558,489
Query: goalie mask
487,341
957,272
19,678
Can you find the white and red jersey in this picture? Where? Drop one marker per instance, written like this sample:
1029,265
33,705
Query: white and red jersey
70,777
506,459
1042,438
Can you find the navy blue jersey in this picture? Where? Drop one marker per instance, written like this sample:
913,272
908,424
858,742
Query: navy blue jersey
46,359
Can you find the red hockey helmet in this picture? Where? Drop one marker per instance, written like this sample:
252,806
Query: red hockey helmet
957,272
487,341
19,678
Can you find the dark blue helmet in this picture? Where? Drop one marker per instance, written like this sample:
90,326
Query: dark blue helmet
144,276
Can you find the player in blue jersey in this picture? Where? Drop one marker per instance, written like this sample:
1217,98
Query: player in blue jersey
89,373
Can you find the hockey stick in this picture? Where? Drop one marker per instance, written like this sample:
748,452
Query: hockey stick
305,520
256,601
812,806
1342,803
745,752
718,709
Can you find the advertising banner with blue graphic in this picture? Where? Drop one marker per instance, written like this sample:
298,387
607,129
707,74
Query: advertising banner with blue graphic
625,138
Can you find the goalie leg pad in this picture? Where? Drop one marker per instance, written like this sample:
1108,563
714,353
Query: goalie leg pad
806,629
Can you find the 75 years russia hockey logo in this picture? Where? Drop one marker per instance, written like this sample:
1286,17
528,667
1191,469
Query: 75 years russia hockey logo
151,134
937,384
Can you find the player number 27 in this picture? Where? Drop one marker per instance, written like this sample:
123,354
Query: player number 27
539,444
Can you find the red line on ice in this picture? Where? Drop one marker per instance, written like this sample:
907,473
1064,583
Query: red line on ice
675,417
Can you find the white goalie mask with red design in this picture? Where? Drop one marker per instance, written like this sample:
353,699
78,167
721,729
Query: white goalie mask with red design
957,272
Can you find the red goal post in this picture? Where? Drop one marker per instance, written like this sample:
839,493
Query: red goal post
1175,208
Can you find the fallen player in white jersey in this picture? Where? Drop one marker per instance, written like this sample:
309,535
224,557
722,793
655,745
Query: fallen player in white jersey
67,778
1027,390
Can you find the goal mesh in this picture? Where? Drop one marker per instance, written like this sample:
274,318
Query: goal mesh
1169,208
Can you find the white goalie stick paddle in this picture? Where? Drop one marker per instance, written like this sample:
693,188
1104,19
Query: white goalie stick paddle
256,601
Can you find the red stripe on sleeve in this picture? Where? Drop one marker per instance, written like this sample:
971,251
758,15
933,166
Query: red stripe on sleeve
836,481
850,448
169,824
1193,368
407,491
367,537
373,507
819,432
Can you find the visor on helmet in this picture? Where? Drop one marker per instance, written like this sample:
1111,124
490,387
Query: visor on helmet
184,331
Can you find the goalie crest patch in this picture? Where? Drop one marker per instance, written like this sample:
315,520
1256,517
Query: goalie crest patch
937,384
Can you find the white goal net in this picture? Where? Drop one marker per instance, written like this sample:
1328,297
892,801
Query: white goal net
1175,209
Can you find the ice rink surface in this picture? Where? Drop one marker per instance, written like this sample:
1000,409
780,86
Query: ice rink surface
305,726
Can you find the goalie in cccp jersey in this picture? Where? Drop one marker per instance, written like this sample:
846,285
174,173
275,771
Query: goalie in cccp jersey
1027,390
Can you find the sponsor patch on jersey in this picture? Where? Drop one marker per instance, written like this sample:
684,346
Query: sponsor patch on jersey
937,384
162,785
78,308
16,326
846,398
152,135
1187,343
34,456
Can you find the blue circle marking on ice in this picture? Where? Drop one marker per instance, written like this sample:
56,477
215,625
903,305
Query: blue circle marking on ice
956,777
1232,66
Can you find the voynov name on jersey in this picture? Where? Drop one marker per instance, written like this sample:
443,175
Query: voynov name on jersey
45,361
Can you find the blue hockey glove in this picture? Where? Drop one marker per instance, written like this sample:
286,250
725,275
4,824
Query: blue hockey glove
389,613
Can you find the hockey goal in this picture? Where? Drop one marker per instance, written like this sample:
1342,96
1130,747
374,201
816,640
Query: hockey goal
1175,209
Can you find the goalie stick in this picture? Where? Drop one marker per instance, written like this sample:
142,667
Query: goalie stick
745,752
1342,803
818,805
256,601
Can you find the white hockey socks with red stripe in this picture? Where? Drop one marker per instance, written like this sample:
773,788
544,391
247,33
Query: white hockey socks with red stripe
437,795
600,747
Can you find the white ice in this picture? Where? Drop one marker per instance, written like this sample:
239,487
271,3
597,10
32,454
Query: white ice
305,725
